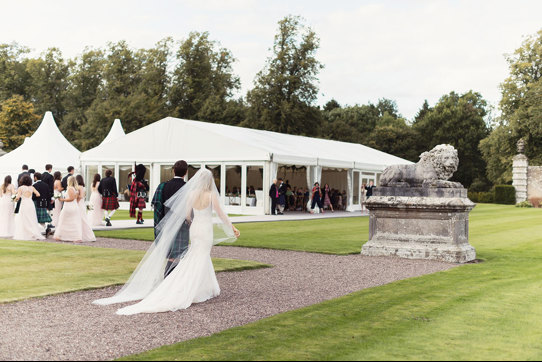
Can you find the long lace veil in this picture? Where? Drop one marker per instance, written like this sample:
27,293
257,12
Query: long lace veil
150,271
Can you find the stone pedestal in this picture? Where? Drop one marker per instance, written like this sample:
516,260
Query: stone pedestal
520,172
420,223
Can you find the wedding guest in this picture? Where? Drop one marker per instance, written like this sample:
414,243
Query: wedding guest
42,201
370,189
26,220
96,213
327,199
110,196
7,217
70,226
24,173
138,193
316,198
57,192
363,196
86,231
274,195
282,196
71,172
158,204
47,178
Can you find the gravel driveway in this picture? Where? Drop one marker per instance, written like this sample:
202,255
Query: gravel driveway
68,326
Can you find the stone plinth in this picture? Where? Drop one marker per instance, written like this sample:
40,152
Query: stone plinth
520,171
420,223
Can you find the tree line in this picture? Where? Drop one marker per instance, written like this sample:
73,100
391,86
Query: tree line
194,79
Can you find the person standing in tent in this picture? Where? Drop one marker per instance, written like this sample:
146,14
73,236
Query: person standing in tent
274,195
110,195
138,193
24,173
42,202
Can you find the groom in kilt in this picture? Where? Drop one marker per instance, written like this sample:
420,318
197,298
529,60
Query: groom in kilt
42,202
110,196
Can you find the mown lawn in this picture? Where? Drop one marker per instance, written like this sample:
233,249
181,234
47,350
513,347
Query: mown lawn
329,236
486,311
34,269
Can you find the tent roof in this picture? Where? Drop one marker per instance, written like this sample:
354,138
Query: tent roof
171,139
115,133
46,145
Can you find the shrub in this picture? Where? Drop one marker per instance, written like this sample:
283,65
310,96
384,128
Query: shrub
505,194
487,197
524,204
481,197
535,201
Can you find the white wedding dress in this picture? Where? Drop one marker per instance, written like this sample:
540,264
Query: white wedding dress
194,279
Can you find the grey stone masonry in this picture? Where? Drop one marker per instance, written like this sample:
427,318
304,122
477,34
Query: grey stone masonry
520,174
420,223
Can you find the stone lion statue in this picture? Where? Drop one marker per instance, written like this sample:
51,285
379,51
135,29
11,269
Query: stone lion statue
433,170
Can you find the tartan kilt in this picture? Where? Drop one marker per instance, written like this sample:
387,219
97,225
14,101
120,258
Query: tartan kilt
110,203
141,203
43,215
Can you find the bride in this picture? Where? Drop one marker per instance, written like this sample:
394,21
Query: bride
193,280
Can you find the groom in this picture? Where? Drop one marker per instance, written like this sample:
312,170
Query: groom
181,241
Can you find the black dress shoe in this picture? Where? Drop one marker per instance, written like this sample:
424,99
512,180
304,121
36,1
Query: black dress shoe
108,222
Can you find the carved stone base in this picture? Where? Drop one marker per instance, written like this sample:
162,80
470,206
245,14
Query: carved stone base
420,223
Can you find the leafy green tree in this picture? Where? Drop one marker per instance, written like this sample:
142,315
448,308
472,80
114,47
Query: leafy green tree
84,83
283,97
458,120
17,121
521,111
331,105
14,78
203,82
48,88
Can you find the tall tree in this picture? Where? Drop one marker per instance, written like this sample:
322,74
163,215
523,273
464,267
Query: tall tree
84,83
203,82
458,120
283,97
14,78
17,121
49,75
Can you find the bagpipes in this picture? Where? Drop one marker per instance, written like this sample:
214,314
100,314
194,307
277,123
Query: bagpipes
138,173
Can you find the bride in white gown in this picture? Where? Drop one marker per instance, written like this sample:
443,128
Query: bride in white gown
194,279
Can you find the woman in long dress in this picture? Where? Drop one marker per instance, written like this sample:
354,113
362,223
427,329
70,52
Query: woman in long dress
70,226
57,193
316,199
7,217
96,214
327,199
26,220
87,233
193,280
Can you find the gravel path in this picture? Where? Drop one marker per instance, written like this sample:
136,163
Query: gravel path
68,327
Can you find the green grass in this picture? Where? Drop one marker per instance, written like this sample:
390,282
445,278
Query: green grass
486,311
330,236
34,269
148,216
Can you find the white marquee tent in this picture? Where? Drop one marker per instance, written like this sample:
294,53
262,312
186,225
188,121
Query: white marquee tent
115,132
46,145
239,158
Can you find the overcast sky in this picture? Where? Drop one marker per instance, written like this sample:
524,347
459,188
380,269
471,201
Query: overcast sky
407,51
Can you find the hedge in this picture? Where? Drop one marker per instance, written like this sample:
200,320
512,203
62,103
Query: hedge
505,194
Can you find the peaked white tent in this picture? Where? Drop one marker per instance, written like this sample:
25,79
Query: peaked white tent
115,133
241,157
46,145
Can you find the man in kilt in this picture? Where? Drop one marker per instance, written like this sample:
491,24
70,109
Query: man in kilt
138,193
110,196
42,202
158,205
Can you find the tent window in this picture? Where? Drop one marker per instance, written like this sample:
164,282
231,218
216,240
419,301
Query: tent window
215,169
166,173
233,181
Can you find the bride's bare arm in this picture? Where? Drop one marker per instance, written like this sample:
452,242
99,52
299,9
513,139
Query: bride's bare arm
222,215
